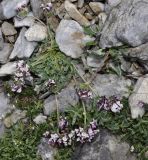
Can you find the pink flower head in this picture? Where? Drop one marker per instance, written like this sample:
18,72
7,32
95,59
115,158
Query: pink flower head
53,139
47,6
93,124
85,94
63,123
116,107
16,88
21,75
50,83
21,5
103,103
141,104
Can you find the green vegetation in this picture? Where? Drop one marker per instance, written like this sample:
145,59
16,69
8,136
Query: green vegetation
64,154
54,65
22,140
26,100
132,131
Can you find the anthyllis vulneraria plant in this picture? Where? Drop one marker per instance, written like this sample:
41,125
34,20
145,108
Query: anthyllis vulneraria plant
67,136
21,75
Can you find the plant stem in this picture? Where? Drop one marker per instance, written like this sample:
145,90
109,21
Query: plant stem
38,20
57,107
87,83
85,114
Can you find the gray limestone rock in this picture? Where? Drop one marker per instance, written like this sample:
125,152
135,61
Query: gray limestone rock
26,22
67,97
121,26
111,84
2,129
139,95
110,4
138,54
71,38
104,147
8,69
36,32
37,10
1,40
5,106
97,7
75,14
8,29
14,118
45,151
39,119
94,61
22,47
5,52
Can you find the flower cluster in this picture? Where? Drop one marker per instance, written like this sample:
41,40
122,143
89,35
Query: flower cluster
103,103
85,94
47,7
141,104
50,83
113,104
87,136
20,6
20,76
63,123
67,138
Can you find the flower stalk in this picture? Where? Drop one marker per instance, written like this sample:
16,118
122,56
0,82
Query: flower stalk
84,114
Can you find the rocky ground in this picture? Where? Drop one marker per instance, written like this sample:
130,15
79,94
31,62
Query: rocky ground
74,81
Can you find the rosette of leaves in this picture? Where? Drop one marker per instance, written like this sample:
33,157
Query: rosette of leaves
53,64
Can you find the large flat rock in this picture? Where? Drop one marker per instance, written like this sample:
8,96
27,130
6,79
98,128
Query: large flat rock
71,38
138,54
111,84
45,151
104,147
127,24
